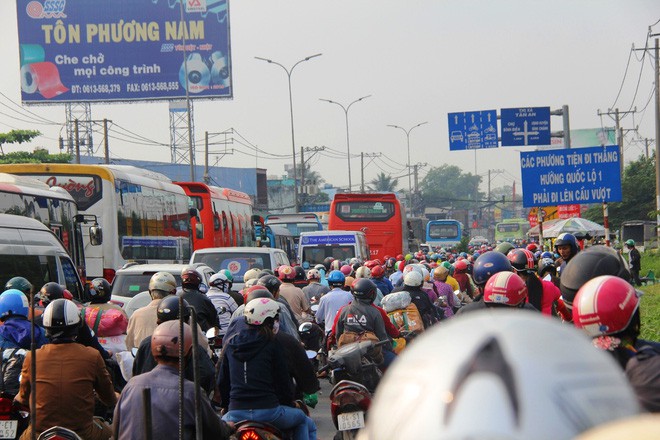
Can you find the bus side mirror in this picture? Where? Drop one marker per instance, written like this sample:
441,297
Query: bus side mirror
95,235
194,213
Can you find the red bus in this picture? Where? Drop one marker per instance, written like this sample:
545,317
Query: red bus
225,216
379,215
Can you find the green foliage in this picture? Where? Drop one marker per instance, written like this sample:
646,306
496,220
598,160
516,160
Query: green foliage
38,156
18,136
638,195
383,183
447,185
650,303
463,245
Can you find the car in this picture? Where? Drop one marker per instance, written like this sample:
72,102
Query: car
240,259
133,279
478,241
457,136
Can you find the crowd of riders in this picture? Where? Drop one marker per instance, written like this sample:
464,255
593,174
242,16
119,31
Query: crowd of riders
263,373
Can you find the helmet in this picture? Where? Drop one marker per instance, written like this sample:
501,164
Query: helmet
440,273
593,262
168,309
19,283
348,282
363,272
567,239
532,247
521,259
250,274
504,247
300,273
547,254
13,302
305,328
61,319
286,273
258,310
390,263
313,274
102,291
371,264
165,340
50,292
319,267
346,270
488,364
255,292
223,280
335,265
163,281
505,288
377,272
190,278
630,242
336,278
327,262
547,265
605,305
488,264
461,265
364,290
270,282
413,279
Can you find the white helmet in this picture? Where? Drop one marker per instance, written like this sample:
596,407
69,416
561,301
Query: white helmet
313,274
363,272
259,309
506,375
163,281
413,279
251,274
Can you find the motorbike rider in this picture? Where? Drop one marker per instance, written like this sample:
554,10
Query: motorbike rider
541,294
382,282
207,316
607,309
332,301
293,295
253,376
143,321
503,290
442,289
220,286
361,315
100,294
566,246
163,381
634,261
69,377
168,310
314,289
15,338
20,283
412,283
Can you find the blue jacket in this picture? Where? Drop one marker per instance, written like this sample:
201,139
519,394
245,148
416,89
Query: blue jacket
15,333
383,284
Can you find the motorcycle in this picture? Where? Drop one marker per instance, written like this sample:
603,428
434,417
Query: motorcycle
58,433
251,430
355,377
13,420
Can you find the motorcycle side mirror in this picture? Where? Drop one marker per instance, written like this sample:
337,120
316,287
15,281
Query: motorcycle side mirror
211,333
134,351
315,308
311,354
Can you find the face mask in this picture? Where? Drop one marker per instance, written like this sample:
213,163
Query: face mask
276,326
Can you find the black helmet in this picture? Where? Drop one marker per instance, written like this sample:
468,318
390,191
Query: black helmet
190,278
265,272
102,291
591,263
522,260
168,309
300,273
547,265
488,264
50,292
327,262
19,283
364,290
270,282
61,319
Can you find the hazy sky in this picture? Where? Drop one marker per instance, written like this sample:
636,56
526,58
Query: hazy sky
419,59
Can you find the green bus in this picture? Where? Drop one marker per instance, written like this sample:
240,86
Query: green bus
511,230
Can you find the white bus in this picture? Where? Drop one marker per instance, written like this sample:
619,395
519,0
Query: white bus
145,217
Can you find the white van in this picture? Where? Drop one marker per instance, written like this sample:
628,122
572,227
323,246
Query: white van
240,259
314,247
30,250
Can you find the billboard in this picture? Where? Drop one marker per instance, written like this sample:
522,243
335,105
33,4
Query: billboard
123,50
571,176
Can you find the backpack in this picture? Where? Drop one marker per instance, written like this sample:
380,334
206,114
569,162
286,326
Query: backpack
643,373
12,364
347,337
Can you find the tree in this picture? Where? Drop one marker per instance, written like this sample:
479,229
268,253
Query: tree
17,137
38,156
638,195
447,185
383,183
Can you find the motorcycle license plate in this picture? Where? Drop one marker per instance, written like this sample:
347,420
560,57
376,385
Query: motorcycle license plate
352,420
8,428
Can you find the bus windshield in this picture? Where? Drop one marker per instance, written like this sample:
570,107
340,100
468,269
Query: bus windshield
364,211
443,231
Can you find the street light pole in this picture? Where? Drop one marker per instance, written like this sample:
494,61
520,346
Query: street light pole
348,145
407,132
293,139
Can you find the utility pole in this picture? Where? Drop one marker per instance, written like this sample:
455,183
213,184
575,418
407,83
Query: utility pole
657,140
617,115
303,165
77,134
206,158
106,148
413,199
362,166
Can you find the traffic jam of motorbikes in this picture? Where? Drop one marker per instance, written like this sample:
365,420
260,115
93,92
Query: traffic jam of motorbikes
440,333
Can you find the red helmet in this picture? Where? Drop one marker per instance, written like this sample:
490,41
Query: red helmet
400,257
461,265
286,272
605,305
505,288
521,259
190,278
400,265
165,340
532,247
370,263
346,270
377,272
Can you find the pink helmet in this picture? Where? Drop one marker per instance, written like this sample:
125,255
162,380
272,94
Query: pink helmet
505,288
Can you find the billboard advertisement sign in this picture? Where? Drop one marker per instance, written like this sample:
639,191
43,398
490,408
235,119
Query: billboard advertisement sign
123,50
571,176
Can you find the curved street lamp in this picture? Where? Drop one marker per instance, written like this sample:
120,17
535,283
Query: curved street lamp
293,140
407,132
348,145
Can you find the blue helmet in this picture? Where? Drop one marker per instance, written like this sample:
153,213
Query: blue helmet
567,239
13,302
488,264
336,277
547,254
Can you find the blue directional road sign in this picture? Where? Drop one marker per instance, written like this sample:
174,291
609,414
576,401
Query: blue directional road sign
525,126
472,130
